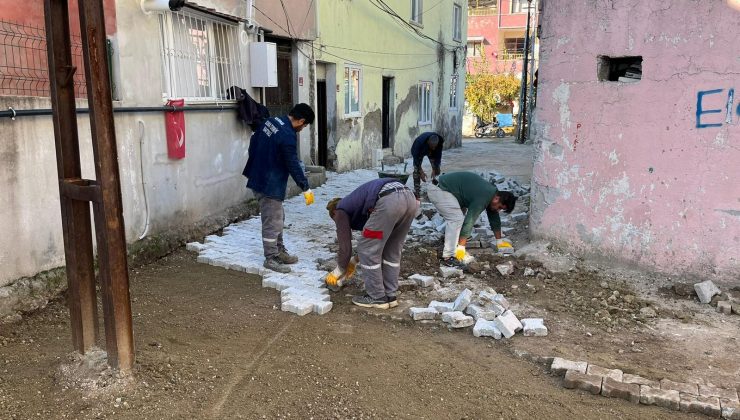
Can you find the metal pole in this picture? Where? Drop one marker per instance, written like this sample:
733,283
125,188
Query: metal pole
78,250
109,225
532,65
522,118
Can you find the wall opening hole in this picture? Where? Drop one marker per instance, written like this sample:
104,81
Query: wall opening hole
619,69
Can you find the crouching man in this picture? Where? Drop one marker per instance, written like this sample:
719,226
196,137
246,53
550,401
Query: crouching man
383,210
466,190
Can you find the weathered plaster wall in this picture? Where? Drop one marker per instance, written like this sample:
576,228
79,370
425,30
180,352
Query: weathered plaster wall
644,172
352,32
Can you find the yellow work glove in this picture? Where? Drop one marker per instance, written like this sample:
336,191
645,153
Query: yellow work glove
503,243
352,267
308,195
460,252
333,278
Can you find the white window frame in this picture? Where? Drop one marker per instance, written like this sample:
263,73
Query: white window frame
521,6
457,22
472,51
453,91
424,89
417,12
219,64
348,91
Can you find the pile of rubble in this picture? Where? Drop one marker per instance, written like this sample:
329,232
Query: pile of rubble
709,293
489,314
689,397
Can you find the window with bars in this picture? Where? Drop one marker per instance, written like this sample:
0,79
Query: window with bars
352,91
200,55
453,92
475,48
425,103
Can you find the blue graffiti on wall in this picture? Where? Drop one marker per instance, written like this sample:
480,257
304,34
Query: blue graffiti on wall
728,108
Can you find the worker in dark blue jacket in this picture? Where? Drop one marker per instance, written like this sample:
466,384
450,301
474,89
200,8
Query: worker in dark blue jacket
273,155
428,144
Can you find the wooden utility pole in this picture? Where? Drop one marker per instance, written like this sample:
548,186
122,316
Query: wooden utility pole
76,193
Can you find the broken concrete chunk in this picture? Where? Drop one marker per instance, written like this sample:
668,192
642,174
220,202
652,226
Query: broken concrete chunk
577,380
615,374
486,296
463,300
706,290
441,307
485,328
660,397
448,272
529,272
724,307
534,327
508,324
418,314
615,389
560,366
506,268
457,319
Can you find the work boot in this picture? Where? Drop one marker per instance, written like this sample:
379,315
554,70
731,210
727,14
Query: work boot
367,301
274,264
451,262
286,258
392,301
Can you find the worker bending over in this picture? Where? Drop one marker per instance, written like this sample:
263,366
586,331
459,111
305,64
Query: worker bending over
428,144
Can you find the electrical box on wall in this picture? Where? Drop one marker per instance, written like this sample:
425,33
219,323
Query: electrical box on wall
263,64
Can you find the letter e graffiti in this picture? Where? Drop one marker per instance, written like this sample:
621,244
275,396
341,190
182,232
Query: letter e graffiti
700,111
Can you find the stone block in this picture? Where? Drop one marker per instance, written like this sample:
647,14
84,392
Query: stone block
422,281
506,268
297,306
496,308
486,296
721,393
304,290
724,307
519,216
418,314
473,244
614,389
463,300
730,409
485,328
684,388
316,298
501,300
660,397
615,374
575,379
560,366
706,290
322,307
534,327
441,307
508,324
448,272
457,319
639,380
709,406
478,312
529,272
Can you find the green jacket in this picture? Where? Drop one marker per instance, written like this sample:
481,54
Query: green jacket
473,193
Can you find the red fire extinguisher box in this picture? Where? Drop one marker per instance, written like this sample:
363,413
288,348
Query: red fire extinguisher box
175,126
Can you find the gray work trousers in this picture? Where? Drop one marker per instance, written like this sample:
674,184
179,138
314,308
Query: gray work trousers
382,241
449,208
273,218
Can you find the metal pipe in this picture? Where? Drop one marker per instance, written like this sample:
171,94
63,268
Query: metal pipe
14,113
522,117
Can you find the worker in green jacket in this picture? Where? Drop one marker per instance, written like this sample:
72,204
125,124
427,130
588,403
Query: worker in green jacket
465,190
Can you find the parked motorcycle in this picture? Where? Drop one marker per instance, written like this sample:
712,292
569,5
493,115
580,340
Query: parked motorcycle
492,129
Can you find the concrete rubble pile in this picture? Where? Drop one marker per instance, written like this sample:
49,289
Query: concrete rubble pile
488,312
708,293
688,397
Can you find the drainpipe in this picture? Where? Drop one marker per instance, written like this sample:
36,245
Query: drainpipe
523,91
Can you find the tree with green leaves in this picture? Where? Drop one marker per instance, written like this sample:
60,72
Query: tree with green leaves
488,93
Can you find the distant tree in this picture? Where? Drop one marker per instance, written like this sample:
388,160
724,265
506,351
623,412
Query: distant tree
488,93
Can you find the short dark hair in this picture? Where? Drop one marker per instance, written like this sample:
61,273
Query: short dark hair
302,112
508,199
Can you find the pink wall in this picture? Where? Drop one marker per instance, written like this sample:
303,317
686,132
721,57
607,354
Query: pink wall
646,172
487,27
32,13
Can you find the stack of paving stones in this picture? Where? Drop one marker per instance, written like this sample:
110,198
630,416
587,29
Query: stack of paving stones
689,397
710,294
308,235
489,314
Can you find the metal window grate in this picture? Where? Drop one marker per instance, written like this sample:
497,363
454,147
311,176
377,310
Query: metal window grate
200,55
23,61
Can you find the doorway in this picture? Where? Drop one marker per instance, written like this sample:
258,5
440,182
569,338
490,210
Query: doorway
321,119
387,113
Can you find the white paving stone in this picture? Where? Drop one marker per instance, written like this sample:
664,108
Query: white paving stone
706,291
448,272
485,328
508,324
463,300
457,319
422,280
418,314
534,327
441,307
